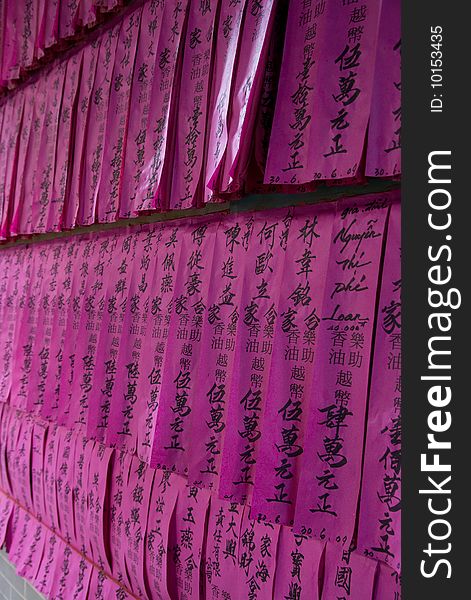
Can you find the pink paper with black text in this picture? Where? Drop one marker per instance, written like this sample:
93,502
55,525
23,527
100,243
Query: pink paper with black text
123,427
82,127
97,515
169,240
258,24
120,254
379,523
172,438
262,284
71,577
136,506
291,376
42,194
212,386
60,185
93,306
290,140
347,574
299,566
165,491
97,116
186,543
17,201
154,179
257,558
115,139
225,58
141,87
221,569
341,106
383,152
387,584
331,467
193,104
117,489
12,138
61,308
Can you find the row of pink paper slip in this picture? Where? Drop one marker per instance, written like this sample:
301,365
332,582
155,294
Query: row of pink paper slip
179,104
210,347
31,28
81,520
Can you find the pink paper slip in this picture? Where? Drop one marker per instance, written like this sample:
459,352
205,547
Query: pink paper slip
266,107
383,152
42,194
26,328
140,97
221,569
291,376
40,30
186,542
6,510
262,284
330,90
128,405
380,502
54,549
95,139
38,446
42,339
11,43
36,151
330,471
67,444
166,489
257,558
71,577
71,359
88,12
136,506
60,187
82,126
13,282
117,489
253,52
12,138
68,18
93,306
97,515
83,454
387,584
120,250
29,17
51,515
169,242
21,482
193,104
61,307
160,124
347,575
115,139
290,141
172,440
298,568
225,59
341,106
11,225
211,391
27,548
51,22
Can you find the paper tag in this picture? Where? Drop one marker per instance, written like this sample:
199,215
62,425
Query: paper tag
331,470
